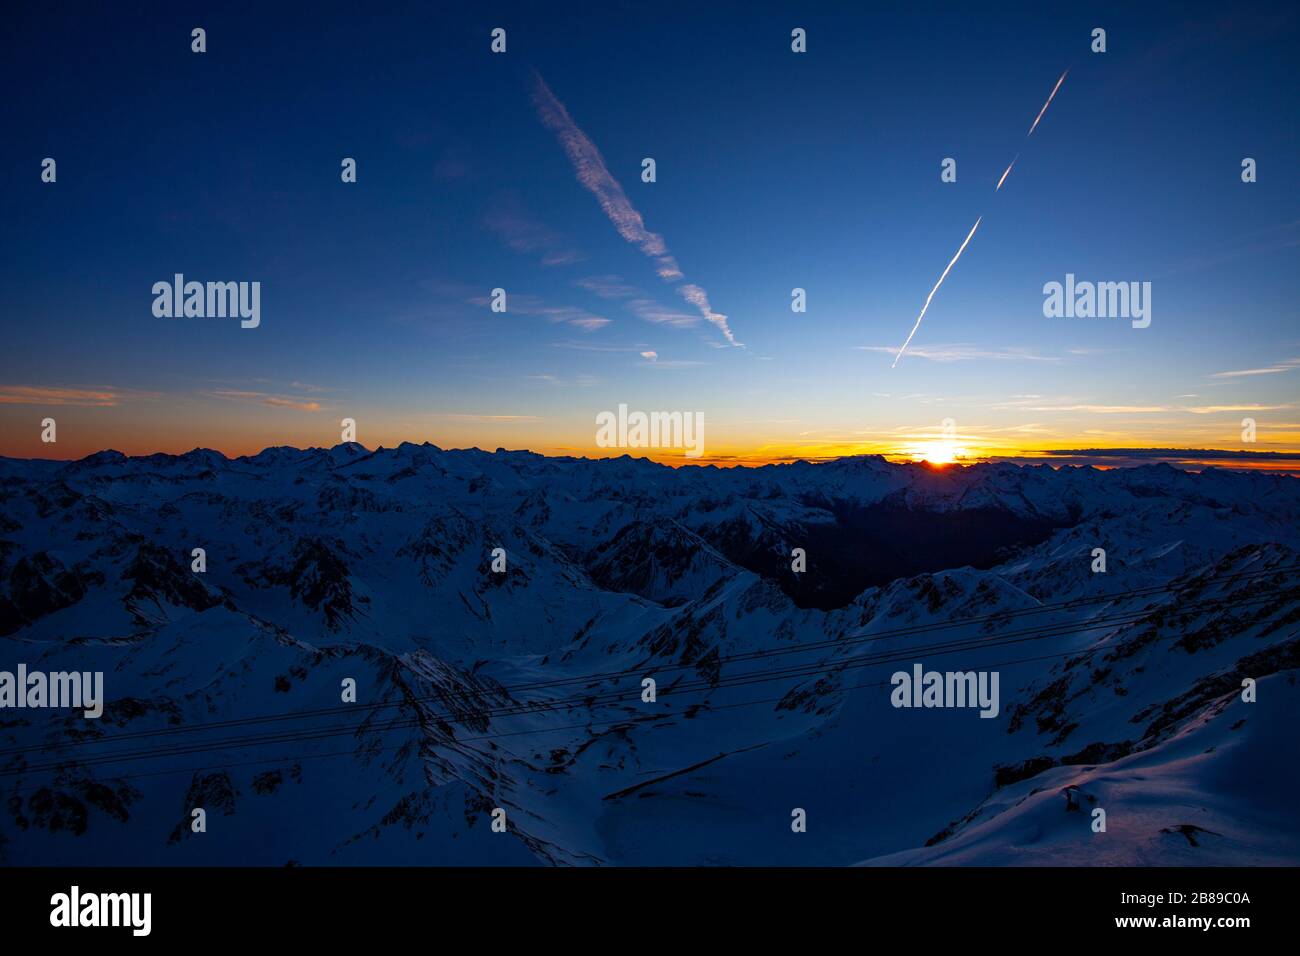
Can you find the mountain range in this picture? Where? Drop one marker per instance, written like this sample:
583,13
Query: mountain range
500,612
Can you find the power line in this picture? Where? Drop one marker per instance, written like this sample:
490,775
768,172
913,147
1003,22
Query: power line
524,707
532,707
655,718
591,701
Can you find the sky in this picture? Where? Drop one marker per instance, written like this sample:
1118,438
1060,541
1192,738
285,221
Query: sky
775,170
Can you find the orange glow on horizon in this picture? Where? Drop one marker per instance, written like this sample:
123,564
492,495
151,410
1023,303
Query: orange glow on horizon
176,429
938,451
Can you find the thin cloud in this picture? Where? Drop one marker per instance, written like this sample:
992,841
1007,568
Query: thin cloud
587,324
669,364
962,353
652,360
595,176
499,419
608,287
529,236
101,397
647,309
1258,243
1215,409
266,398
1104,409
651,311
581,381
1287,366
590,347
697,297
1163,453
1145,409
533,305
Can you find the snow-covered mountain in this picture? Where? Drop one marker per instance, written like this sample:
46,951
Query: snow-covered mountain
521,689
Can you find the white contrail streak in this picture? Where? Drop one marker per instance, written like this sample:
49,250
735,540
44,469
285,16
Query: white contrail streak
1005,174
934,290
1046,105
600,182
1002,179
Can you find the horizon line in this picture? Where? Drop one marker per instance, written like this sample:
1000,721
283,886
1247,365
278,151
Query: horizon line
1102,458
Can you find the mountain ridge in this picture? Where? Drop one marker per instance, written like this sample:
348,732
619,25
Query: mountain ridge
481,689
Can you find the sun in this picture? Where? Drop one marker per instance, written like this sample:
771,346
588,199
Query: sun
937,451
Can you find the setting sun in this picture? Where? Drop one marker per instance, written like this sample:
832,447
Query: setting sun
938,451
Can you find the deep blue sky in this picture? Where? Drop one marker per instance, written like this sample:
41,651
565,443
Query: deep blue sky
775,170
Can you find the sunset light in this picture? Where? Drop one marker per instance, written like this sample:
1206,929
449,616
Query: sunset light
671,437
939,451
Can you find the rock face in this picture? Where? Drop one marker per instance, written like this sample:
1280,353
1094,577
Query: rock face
385,648
39,584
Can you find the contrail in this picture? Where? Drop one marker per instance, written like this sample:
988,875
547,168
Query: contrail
1002,179
600,182
934,290
1046,105
1006,174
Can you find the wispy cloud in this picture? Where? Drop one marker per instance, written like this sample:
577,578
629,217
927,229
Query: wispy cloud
963,353
1103,409
98,396
1086,351
580,381
1146,409
595,176
608,287
528,236
1207,454
650,356
1287,366
652,311
588,323
1261,242
498,419
670,364
697,297
648,309
1216,409
521,304
266,398
596,347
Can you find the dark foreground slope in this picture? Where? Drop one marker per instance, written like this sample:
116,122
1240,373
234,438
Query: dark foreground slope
521,690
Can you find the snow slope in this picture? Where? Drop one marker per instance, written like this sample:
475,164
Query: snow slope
522,690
